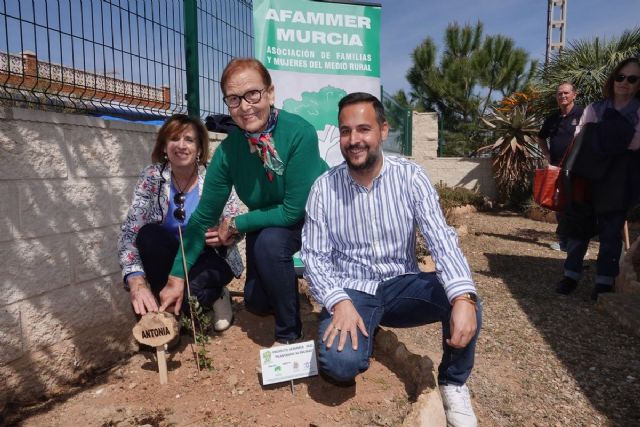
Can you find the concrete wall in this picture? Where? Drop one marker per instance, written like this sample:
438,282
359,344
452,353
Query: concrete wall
66,182
453,171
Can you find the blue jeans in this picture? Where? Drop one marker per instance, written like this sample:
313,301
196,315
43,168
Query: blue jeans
401,302
272,284
158,248
608,263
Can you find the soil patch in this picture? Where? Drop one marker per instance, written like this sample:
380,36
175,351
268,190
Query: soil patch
231,394
542,359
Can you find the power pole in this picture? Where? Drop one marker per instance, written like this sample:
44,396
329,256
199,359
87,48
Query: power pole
556,26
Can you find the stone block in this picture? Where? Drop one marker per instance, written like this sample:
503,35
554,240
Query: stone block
47,372
427,411
6,113
9,218
133,127
94,253
425,134
121,304
10,334
67,312
39,117
51,207
34,266
625,308
121,196
29,150
95,152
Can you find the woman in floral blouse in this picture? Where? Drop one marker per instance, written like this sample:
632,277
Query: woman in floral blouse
165,196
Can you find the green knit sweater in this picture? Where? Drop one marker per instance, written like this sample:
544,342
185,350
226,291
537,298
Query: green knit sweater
278,203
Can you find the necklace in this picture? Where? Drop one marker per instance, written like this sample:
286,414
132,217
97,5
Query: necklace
181,189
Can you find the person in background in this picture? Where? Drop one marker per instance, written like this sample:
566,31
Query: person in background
556,135
608,160
359,250
164,199
271,160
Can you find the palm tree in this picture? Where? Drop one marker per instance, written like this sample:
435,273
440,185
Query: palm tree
586,64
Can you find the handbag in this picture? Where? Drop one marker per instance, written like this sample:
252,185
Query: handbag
549,185
547,188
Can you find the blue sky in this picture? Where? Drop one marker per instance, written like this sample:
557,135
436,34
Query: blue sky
406,23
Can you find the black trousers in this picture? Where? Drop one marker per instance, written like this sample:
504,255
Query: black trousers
158,248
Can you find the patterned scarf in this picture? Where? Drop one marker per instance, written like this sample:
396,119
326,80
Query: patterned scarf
265,149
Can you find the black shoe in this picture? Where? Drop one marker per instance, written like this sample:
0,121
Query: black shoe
285,341
600,289
566,285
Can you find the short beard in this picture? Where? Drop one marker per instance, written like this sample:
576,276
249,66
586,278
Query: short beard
368,162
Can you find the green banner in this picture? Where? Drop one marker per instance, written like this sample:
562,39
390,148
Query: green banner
317,37
317,52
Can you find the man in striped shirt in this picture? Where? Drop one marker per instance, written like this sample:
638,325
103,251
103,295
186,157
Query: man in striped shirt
358,246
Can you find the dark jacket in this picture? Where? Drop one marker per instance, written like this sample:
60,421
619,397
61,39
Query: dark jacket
604,175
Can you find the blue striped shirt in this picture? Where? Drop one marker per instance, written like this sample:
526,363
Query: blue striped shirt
357,238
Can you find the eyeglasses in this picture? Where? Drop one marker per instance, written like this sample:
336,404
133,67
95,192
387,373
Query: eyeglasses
631,79
251,97
179,213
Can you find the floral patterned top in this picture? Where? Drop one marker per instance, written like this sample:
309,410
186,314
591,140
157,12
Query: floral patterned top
150,204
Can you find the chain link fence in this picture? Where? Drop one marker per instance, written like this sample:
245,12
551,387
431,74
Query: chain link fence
400,130
119,57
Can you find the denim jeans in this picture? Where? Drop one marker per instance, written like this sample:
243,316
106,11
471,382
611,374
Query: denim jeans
608,263
158,248
562,239
401,302
272,284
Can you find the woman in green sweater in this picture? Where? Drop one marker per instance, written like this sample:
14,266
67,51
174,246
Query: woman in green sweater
272,161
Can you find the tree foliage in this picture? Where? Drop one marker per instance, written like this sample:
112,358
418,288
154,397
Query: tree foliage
461,82
515,149
586,64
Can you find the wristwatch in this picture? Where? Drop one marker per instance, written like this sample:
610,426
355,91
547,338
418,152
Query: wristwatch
469,297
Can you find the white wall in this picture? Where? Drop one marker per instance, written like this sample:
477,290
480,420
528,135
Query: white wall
66,182
453,171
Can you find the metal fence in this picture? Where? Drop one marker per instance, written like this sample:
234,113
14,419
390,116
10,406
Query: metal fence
120,57
400,130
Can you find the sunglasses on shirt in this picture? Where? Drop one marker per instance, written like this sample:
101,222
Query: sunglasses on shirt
179,213
631,79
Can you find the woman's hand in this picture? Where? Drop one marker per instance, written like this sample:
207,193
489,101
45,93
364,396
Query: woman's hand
212,237
141,297
172,294
224,233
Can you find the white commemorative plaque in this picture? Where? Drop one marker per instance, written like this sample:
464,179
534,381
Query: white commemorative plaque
288,362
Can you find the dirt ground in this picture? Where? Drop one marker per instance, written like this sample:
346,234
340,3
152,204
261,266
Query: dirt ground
542,359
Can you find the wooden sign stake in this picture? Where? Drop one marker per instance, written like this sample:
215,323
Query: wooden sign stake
156,330
162,364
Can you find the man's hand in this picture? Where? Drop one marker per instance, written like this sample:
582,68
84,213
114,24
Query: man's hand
141,297
463,324
346,320
544,149
212,237
171,295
